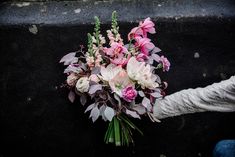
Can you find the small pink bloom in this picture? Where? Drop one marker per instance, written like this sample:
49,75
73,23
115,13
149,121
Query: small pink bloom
129,93
144,44
141,57
165,63
135,32
115,49
141,31
147,27
121,59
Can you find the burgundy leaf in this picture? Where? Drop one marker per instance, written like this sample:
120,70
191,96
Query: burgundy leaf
132,113
95,112
95,70
145,102
89,107
141,93
83,99
71,96
74,69
95,88
156,50
69,59
156,95
139,109
155,57
102,108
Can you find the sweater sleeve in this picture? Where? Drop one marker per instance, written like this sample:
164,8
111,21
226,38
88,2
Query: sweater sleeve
219,97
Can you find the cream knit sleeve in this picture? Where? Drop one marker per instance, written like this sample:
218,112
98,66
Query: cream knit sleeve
218,97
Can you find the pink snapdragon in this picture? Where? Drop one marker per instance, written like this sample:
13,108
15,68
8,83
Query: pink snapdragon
165,63
141,31
121,59
115,49
147,27
145,45
118,53
129,93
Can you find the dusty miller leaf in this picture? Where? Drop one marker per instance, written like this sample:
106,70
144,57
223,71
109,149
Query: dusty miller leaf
69,58
145,102
141,93
95,112
109,113
95,70
89,107
95,88
132,113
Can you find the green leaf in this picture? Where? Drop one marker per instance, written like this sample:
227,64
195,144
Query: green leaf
117,132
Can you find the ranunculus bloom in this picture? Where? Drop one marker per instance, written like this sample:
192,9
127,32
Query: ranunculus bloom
141,73
71,79
145,45
115,49
141,31
165,63
82,84
129,93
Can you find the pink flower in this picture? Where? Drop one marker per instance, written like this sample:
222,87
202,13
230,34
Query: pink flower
141,31
144,44
121,59
165,63
141,57
115,49
135,32
147,27
129,93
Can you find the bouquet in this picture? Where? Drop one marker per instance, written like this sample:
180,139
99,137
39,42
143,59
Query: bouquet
119,80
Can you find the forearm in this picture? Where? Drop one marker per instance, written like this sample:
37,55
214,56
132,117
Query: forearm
216,97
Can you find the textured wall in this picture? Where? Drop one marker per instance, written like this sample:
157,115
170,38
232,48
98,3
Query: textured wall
36,119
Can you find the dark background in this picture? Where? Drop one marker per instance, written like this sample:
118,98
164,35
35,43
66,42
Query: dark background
36,118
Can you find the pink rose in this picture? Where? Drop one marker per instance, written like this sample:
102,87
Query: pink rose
165,63
129,93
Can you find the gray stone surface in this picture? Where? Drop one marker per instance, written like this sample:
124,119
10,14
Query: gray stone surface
80,12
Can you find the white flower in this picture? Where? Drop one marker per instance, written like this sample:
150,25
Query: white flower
82,84
141,73
71,79
109,72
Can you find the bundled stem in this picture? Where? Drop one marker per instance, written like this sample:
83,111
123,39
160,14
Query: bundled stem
119,131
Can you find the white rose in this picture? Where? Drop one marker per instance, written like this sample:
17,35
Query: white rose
82,84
